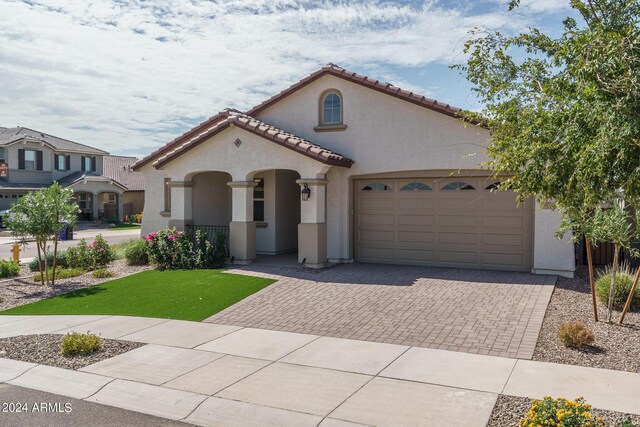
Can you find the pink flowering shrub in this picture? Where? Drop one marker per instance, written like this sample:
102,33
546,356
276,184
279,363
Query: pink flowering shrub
97,254
170,249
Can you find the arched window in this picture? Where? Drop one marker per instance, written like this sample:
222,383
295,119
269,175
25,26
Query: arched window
458,185
415,186
376,186
331,113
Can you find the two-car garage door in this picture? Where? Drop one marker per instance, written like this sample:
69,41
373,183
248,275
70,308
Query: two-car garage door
455,222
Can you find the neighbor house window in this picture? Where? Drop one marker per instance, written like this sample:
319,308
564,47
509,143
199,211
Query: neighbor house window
331,113
258,201
2,159
167,195
63,163
88,164
29,160
111,198
82,200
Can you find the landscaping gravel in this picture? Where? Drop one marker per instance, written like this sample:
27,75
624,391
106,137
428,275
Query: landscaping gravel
510,410
45,350
616,346
24,290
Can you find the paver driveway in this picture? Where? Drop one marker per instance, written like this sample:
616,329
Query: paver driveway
475,311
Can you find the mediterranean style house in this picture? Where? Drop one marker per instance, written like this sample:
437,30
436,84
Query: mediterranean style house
341,168
104,185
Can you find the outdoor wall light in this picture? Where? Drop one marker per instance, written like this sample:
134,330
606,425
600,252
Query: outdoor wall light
306,192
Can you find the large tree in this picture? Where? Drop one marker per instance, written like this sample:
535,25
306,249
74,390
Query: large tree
563,112
41,216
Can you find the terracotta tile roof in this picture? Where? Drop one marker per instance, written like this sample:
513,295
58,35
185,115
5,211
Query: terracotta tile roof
232,117
118,168
377,85
331,69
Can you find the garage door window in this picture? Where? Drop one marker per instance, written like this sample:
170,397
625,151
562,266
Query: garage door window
458,185
415,186
376,186
493,187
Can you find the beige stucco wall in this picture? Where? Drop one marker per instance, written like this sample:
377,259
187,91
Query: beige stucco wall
152,220
211,199
550,255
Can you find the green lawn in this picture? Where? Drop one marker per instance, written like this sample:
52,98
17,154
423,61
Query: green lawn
186,295
124,226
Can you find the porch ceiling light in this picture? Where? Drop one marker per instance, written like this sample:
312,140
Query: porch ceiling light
306,192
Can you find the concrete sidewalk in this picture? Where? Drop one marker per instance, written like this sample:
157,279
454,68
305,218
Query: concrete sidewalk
222,375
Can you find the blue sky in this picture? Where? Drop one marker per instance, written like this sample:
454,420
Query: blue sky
129,75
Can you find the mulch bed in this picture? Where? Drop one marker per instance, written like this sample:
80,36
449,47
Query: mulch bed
510,410
616,346
24,290
45,350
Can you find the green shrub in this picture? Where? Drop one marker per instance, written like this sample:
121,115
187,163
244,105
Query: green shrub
61,273
61,261
9,268
576,335
560,412
74,344
90,256
102,273
210,255
137,253
624,281
171,249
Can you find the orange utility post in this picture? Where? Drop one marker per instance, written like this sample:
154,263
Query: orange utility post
15,251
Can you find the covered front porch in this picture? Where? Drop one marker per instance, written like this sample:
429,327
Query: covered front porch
274,213
98,199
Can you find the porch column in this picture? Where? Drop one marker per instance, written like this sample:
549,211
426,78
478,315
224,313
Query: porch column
119,201
181,204
312,230
94,205
242,228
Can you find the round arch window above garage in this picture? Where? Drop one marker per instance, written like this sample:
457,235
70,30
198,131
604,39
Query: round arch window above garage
330,111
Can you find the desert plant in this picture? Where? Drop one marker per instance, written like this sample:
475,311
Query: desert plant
9,268
102,273
576,335
74,344
561,413
627,422
137,253
41,215
61,261
137,218
624,280
62,273
171,249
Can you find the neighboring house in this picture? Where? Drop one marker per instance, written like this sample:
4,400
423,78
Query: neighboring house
393,178
30,160
118,168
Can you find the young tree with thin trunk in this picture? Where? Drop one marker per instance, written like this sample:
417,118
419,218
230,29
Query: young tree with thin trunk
563,111
41,216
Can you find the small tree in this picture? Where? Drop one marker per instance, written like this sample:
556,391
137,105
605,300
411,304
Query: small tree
41,215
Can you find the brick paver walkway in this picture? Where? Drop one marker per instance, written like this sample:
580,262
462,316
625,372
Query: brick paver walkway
475,311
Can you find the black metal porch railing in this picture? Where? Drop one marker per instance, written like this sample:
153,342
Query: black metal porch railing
211,231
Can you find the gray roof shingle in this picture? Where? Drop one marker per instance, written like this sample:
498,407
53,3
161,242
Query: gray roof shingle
9,135
118,168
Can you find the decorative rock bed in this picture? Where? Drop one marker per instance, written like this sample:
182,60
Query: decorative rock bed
509,410
45,350
616,346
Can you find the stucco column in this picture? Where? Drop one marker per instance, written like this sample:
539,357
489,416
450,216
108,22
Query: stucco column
120,206
550,254
242,228
95,205
181,204
312,230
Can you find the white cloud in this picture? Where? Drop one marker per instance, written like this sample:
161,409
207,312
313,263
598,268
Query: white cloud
129,75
